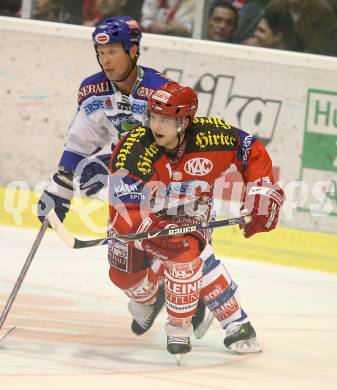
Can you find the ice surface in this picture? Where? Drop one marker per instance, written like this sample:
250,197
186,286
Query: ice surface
73,328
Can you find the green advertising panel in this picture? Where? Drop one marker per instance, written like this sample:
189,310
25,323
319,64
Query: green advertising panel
319,155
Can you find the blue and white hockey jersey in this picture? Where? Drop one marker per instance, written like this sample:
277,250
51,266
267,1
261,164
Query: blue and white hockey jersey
104,114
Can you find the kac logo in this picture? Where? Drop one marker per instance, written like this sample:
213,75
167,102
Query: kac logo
198,166
181,274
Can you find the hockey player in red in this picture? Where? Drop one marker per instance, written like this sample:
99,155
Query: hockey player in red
164,175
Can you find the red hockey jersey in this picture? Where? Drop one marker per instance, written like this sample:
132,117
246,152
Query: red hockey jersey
145,179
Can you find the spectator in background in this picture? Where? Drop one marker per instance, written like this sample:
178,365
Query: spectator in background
73,10
10,7
249,16
315,23
333,4
223,20
275,31
90,13
238,4
95,10
109,8
134,8
170,17
52,11
48,10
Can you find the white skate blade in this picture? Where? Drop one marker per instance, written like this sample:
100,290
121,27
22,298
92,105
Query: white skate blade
5,333
179,358
204,326
245,346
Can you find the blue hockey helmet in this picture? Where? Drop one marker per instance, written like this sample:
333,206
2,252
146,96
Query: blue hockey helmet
120,29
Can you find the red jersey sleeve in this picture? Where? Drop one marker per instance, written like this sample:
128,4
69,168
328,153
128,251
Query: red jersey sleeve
251,158
259,164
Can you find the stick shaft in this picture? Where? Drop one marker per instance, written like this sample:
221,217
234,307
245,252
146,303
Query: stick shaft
23,272
76,243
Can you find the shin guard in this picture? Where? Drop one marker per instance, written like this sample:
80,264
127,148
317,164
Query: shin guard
219,292
182,288
141,287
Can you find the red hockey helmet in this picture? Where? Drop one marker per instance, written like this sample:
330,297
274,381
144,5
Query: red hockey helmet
174,100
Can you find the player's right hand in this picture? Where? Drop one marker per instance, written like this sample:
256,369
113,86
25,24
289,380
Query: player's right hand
262,202
50,201
57,195
169,248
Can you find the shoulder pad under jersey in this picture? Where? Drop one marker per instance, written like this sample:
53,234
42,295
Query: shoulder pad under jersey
211,134
137,152
152,80
95,85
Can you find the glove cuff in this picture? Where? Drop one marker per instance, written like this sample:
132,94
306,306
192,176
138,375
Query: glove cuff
61,186
275,194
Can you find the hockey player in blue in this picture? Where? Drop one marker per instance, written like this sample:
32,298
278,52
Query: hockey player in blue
110,104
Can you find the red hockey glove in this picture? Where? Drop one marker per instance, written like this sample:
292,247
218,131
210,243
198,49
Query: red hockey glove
263,203
165,248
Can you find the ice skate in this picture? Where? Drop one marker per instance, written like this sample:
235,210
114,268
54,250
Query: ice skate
178,340
144,315
242,339
178,346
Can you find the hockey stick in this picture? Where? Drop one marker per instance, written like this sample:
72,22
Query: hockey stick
21,277
76,243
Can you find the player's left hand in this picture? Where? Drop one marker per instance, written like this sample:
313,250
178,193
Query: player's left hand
262,203
95,174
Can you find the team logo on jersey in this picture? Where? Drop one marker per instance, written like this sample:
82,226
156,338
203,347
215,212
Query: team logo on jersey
246,146
183,288
181,274
198,166
145,92
93,89
97,103
124,189
125,148
118,256
227,309
102,38
108,103
145,162
213,140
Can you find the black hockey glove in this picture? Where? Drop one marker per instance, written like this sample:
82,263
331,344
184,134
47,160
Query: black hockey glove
95,174
50,201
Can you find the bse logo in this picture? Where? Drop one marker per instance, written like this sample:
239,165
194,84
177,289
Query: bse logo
198,166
